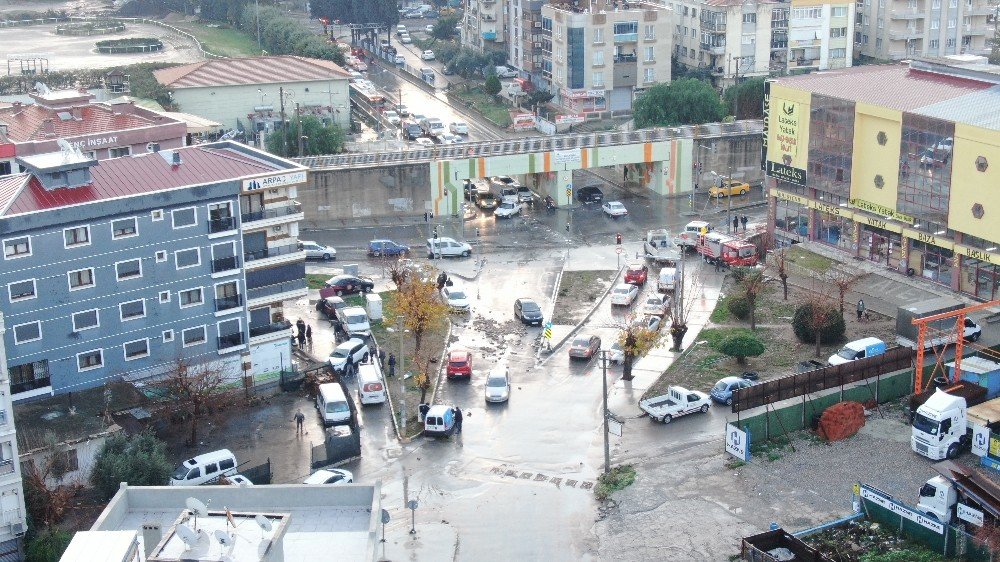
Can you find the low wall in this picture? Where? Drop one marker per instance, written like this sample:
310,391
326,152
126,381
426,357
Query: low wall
386,192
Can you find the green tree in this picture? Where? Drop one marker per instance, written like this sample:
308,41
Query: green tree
282,35
492,86
140,460
752,283
818,320
538,97
48,545
444,29
682,102
635,341
750,95
741,346
317,138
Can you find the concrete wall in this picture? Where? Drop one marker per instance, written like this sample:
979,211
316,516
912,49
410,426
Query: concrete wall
390,191
86,454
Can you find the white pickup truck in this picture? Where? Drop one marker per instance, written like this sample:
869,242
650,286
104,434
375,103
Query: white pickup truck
660,247
677,402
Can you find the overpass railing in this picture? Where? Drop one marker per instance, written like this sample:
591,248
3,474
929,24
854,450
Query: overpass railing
418,154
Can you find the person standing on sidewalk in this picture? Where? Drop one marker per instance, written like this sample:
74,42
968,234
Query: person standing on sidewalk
392,364
300,418
861,309
744,220
458,421
736,224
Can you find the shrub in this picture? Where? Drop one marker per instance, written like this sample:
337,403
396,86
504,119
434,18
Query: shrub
741,346
618,478
140,460
739,306
831,330
48,546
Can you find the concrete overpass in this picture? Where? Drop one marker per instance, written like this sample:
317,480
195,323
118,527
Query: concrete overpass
414,180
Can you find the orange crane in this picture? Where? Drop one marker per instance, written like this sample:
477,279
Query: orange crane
921,324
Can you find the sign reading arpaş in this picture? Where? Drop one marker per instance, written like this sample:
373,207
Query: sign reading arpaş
274,181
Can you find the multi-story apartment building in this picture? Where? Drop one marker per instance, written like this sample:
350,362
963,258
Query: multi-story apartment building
902,29
600,57
12,512
819,35
119,268
483,26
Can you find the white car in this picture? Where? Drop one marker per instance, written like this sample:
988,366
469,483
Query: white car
624,294
614,209
392,117
649,322
447,247
403,110
239,480
398,59
498,386
524,195
450,139
469,212
316,251
429,28
459,128
508,209
427,55
506,72
616,354
456,298
349,354
424,142
334,476
405,38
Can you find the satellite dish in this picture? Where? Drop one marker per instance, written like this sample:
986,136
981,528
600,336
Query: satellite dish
263,522
195,505
189,537
223,537
42,89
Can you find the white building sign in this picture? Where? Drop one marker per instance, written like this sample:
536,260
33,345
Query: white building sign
980,440
274,181
878,498
966,513
737,442
567,156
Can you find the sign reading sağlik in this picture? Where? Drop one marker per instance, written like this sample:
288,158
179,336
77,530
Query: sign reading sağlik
785,145
274,181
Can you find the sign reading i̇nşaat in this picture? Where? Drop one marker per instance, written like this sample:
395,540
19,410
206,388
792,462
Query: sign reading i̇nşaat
787,136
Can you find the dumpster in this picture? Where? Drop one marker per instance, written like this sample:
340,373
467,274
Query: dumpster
373,303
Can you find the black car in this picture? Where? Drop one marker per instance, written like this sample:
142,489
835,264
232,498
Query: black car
447,70
590,194
349,284
528,312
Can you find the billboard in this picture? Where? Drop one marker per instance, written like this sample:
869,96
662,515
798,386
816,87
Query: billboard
786,130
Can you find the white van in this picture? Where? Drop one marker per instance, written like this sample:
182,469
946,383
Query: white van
204,468
656,304
667,280
354,320
332,404
371,385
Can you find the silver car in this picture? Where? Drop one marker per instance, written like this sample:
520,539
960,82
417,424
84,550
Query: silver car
316,251
498,386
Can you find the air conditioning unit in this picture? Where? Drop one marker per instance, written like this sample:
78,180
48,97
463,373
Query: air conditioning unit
273,191
17,529
538,24
538,45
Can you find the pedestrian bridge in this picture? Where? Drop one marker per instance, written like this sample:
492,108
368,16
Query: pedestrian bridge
412,180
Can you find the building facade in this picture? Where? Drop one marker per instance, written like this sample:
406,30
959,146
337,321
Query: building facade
13,516
888,163
121,268
902,29
599,61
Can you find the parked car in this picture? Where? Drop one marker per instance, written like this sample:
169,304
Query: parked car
399,60
429,28
657,304
427,55
392,117
424,142
528,311
624,294
500,182
456,298
237,480
649,322
402,110
329,306
524,195
508,209
723,390
486,200
405,38
678,401
316,251
728,188
614,209
378,248
459,364
447,247
498,386
447,70
616,354
505,72
459,128
584,346
349,284
333,476
354,321
636,274
400,29
590,194
346,357
447,138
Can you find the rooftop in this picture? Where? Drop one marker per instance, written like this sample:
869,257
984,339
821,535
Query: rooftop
35,122
249,70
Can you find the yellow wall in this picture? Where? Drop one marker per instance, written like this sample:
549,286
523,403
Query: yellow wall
871,158
970,186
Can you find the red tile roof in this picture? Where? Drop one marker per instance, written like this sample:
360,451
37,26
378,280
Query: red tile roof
10,186
249,70
27,122
895,86
135,175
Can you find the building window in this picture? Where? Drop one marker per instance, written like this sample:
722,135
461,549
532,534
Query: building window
128,269
749,38
193,336
191,297
934,44
67,460
124,228
79,236
89,360
161,256
951,24
694,12
838,53
967,20
230,333
936,5
649,76
132,309
838,32
598,58
164,296
17,247
136,349
807,13
912,4
650,33
156,215
184,218
81,279
168,336
864,39
598,35
881,23
29,332
86,320
951,43
649,54
878,43
750,18
187,258
598,79
119,152
839,11
21,290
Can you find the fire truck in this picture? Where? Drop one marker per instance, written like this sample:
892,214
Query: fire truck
729,251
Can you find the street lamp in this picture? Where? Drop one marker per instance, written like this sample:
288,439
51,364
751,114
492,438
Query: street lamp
604,395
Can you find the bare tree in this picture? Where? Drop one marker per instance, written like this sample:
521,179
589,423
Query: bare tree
47,503
781,266
200,389
683,302
753,282
821,312
843,281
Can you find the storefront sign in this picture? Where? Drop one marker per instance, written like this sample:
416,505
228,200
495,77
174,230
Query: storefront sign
881,224
767,117
523,121
96,142
569,119
875,496
833,210
882,210
737,442
786,143
595,93
976,253
785,196
274,181
931,239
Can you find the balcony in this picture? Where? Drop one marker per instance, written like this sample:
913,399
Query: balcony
906,34
980,11
714,49
221,225
275,327
6,466
803,63
713,26
975,30
228,303
626,37
225,264
274,215
231,340
778,25
294,286
625,57
272,255
906,14
27,386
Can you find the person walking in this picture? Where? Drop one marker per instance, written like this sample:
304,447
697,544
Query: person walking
458,421
300,325
744,220
300,418
392,364
861,309
381,358
302,338
309,334
736,224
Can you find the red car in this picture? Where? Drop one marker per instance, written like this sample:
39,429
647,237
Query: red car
636,274
459,364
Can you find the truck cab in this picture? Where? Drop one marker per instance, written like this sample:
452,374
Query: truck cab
938,498
939,427
660,247
688,237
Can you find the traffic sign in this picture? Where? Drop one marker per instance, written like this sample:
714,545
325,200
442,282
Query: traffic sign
569,192
619,250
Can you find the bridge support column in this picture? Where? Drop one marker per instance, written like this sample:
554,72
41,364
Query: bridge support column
554,184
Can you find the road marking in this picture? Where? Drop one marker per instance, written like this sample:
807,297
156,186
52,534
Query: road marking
505,472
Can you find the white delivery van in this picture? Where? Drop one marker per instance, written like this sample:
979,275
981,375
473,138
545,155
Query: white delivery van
204,468
667,280
858,349
332,404
371,385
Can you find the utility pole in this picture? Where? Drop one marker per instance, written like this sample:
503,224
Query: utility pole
604,395
298,113
257,17
284,132
402,379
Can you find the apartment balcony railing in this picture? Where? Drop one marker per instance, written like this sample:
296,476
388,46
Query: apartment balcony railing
628,57
33,384
226,303
7,466
626,37
270,252
231,340
276,289
225,264
269,328
221,225
275,212
906,34
713,26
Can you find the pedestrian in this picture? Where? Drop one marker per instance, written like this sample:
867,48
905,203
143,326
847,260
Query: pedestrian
458,421
381,358
736,224
744,220
392,365
861,309
309,333
300,418
718,264
423,409
302,338
300,324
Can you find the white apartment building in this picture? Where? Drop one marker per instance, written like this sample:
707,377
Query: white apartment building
600,56
900,29
483,26
819,35
13,522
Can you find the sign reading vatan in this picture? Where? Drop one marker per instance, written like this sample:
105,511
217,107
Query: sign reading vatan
274,181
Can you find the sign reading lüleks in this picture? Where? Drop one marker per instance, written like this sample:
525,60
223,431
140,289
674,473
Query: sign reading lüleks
784,145
274,181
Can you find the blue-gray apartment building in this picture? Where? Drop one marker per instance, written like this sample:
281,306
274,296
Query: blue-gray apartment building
117,269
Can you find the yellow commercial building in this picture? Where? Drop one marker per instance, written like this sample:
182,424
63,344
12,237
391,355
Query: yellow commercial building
898,164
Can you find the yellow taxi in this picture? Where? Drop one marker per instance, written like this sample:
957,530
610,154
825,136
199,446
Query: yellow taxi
729,187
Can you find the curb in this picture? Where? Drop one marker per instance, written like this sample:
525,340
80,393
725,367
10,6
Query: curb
392,407
597,305
442,362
